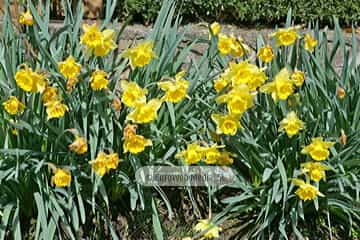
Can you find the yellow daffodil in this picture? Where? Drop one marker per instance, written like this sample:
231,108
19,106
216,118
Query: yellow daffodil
99,80
50,94
238,100
306,191
145,112
226,124
231,45
291,124
79,145
225,158
69,68
258,79
55,109
266,54
285,37
135,143
245,73
30,81
224,44
212,154
141,54
221,83
92,36
318,149
132,94
175,91
107,45
112,161
96,42
13,106
26,18
281,87
61,177
192,154
238,48
99,164
104,163
315,170
309,42
215,28
298,78
211,230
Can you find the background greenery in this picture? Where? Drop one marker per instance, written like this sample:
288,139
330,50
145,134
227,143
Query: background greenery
247,11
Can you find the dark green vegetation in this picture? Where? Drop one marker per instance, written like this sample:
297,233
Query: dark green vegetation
247,11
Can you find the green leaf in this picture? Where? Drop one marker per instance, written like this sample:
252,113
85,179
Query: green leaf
156,221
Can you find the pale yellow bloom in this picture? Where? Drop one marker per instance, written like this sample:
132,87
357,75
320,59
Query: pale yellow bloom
55,109
238,100
133,94
192,154
26,18
212,154
306,191
13,106
30,81
112,161
79,145
309,42
145,112
96,42
135,143
231,45
285,37
318,149
99,164
215,28
220,83
291,124
69,68
281,87
103,163
298,78
141,54
175,91
61,177
50,94
238,48
245,73
99,80
315,170
224,44
211,230
226,124
266,54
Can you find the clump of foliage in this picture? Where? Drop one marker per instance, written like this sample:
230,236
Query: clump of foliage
264,12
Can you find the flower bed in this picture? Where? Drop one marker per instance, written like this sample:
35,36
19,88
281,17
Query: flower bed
73,134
